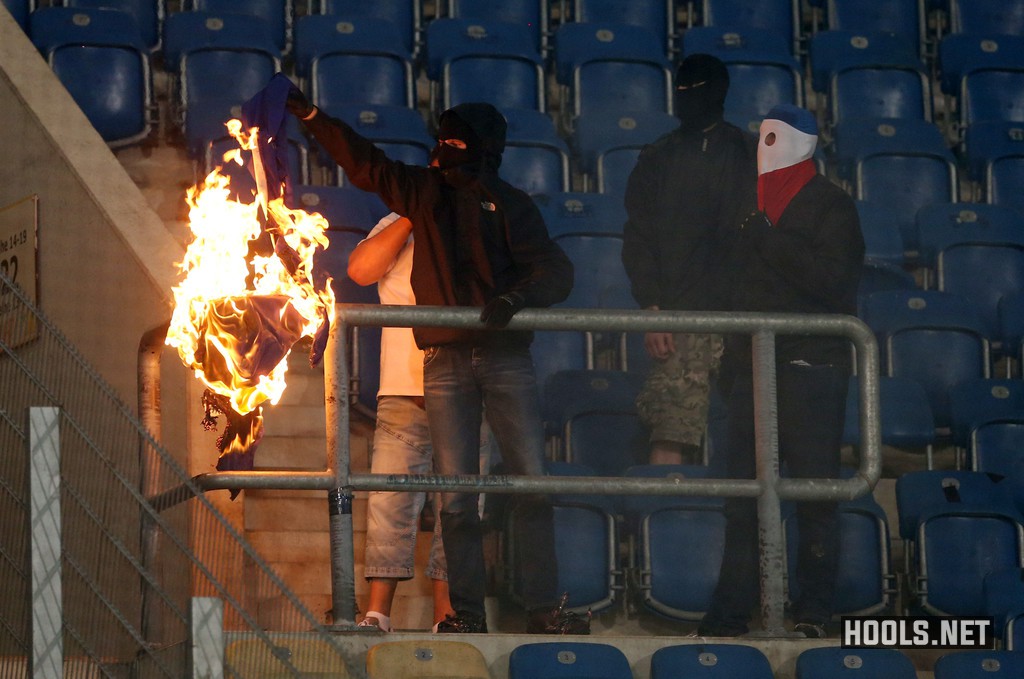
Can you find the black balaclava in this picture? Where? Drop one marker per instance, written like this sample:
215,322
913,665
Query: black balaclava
482,128
702,82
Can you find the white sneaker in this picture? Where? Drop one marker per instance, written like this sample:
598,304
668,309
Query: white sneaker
376,621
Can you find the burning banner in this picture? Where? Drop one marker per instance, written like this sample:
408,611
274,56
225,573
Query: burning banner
248,293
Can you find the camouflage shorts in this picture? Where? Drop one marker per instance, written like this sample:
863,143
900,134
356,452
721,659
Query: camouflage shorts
674,399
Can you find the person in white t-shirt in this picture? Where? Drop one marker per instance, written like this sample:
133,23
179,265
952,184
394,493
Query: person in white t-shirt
401,441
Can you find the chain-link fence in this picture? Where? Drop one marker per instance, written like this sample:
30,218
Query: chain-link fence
129,571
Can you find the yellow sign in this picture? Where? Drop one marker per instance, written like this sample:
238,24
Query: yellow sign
18,224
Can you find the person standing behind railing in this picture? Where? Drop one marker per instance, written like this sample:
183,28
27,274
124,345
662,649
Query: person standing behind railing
480,242
801,252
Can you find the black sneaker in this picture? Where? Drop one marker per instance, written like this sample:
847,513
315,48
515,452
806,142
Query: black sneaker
558,621
466,623
810,630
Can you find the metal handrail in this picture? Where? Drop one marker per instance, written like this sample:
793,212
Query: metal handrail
767,487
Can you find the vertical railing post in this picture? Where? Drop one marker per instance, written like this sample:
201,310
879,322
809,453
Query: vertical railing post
339,498
208,643
769,512
45,537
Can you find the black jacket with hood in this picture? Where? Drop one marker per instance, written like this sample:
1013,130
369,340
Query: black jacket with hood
477,236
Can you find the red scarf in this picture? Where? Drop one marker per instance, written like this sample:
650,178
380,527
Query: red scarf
775,189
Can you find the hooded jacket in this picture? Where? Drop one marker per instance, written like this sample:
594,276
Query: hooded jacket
476,238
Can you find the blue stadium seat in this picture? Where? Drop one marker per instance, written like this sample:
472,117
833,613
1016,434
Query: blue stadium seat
960,526
979,665
611,67
593,414
960,54
353,60
710,661
345,208
398,131
575,213
935,338
987,16
597,262
536,158
883,241
657,16
1004,596
835,51
1011,330
974,401
991,143
992,94
997,444
566,660
902,19
586,545
865,580
900,164
556,350
530,13
483,60
877,275
99,56
977,252
218,61
905,410
279,15
676,544
879,91
833,662
149,15
780,17
402,13
609,142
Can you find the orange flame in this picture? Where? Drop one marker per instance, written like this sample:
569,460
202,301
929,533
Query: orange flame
237,314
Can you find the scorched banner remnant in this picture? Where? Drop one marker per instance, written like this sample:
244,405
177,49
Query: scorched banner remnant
247,296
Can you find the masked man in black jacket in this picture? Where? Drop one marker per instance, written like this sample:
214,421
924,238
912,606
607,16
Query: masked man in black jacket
480,242
801,252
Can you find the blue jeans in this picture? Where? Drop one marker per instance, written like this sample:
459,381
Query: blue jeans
460,383
811,407
401,445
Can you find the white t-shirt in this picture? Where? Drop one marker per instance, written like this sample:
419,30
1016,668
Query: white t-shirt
401,361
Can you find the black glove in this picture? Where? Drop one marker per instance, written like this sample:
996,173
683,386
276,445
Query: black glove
297,104
500,310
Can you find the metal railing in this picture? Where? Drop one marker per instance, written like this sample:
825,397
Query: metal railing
768,487
116,596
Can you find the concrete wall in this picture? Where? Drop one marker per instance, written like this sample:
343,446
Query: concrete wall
106,261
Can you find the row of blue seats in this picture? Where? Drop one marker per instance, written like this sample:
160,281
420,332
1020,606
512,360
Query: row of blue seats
495,61
911,20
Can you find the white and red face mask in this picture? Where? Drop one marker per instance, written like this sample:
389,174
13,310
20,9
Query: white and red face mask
789,135
782,145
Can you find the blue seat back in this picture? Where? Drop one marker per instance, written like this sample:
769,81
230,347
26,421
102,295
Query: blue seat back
882,238
833,662
755,88
979,665
20,10
148,15
506,82
345,207
681,557
858,138
982,273
904,409
1004,595
987,16
997,444
879,92
402,13
530,13
320,34
556,350
185,32
595,134
575,213
341,78
992,95
988,142
279,15
837,50
596,263
657,16
921,493
774,16
943,225
900,18
705,661
566,660
535,168
1002,181
974,401
963,53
